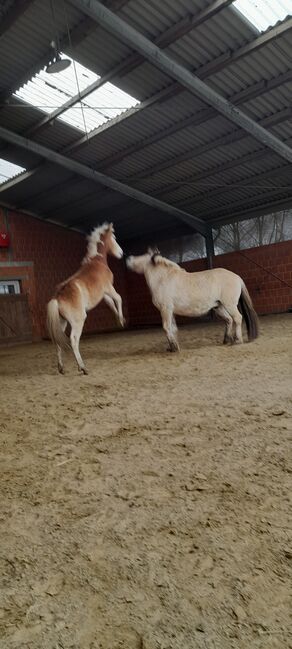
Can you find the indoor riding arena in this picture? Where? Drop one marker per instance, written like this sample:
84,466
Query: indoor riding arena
145,495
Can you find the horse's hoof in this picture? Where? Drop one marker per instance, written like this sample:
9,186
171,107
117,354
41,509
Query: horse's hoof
61,369
228,340
173,348
84,370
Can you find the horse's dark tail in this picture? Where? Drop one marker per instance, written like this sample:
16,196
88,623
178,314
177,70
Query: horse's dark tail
249,315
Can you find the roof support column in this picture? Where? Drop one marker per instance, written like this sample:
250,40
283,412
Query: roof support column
210,252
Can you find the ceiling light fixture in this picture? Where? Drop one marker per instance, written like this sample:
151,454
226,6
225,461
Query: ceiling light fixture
57,64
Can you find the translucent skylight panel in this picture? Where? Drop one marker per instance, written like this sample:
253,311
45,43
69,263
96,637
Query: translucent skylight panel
8,170
264,13
50,91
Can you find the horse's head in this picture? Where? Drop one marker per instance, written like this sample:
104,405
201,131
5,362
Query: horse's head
110,243
140,263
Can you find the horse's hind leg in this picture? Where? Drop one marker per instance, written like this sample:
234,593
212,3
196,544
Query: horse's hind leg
63,324
237,319
223,313
76,331
170,328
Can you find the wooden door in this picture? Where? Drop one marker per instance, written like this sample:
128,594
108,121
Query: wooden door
15,320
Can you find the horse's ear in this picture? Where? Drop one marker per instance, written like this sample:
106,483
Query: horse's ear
150,251
154,254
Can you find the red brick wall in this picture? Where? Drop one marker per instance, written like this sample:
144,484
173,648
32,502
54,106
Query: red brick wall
54,253
268,293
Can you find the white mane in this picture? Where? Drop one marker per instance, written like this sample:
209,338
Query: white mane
93,239
158,259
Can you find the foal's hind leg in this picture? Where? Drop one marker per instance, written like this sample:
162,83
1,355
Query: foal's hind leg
111,294
109,301
76,331
63,324
228,336
170,328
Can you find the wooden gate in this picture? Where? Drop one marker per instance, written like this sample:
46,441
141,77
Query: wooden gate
15,320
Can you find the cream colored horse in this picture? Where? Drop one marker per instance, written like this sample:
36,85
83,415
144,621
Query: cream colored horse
176,292
82,292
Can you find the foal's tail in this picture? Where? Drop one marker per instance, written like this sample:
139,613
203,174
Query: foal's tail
54,326
249,315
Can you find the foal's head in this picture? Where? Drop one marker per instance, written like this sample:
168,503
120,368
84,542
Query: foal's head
110,243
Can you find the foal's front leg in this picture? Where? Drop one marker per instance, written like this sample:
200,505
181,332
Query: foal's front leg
170,328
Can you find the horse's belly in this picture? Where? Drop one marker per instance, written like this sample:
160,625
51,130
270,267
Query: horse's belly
193,308
191,313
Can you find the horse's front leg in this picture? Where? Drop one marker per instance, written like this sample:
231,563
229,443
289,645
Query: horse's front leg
113,299
170,328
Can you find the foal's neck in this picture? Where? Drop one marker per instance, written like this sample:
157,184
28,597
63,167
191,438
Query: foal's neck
101,252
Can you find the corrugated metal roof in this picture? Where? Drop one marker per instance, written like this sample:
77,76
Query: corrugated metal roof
169,148
8,170
264,13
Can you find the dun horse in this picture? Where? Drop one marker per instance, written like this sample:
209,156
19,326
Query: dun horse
176,292
83,291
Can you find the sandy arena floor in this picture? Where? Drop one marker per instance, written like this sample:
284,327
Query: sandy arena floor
148,505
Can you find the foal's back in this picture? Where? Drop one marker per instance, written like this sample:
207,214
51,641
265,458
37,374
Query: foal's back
87,283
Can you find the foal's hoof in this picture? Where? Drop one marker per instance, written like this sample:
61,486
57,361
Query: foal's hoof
83,370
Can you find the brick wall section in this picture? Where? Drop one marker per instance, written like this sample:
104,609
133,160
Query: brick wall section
268,293
56,253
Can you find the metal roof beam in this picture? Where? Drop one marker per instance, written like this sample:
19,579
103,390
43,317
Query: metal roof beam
159,59
204,116
212,67
184,26
271,120
204,71
98,177
77,34
220,62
